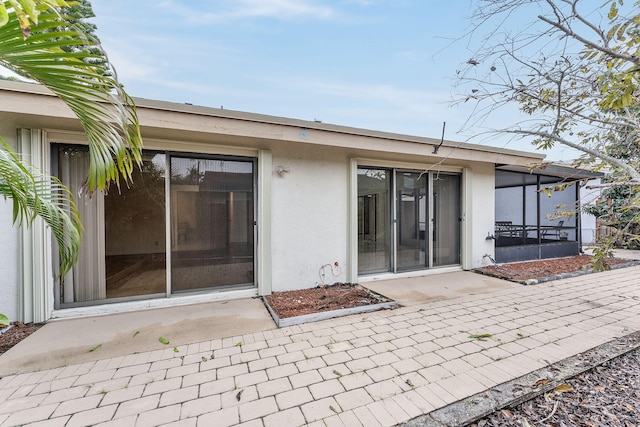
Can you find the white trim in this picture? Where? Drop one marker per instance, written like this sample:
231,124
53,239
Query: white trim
169,145
430,228
409,274
352,221
123,307
198,148
393,231
168,250
35,292
435,167
264,260
466,239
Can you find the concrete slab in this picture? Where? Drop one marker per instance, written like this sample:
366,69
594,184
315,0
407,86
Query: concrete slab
618,253
67,342
437,287
383,368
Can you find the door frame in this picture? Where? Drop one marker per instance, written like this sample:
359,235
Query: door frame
262,243
353,252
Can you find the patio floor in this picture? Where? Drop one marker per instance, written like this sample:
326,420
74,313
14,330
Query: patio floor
375,369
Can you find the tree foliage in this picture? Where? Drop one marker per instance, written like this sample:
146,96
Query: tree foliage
573,72
572,68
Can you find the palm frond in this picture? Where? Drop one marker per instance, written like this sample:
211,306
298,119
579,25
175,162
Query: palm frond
107,113
36,194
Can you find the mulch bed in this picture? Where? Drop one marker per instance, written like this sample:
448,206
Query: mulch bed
527,270
17,333
322,298
607,395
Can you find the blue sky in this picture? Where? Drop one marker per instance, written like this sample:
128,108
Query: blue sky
387,65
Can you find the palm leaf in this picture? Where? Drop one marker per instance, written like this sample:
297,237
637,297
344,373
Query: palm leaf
64,60
107,113
36,194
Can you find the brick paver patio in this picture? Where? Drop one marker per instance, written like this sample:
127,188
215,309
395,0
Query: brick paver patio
375,369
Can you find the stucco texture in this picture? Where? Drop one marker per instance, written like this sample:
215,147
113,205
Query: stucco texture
309,216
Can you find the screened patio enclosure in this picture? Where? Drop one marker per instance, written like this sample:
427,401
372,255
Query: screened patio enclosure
534,219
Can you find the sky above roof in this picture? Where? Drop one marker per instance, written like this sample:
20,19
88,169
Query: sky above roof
386,65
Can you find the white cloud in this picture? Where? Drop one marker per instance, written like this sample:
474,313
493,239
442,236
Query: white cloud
239,9
128,69
282,8
411,99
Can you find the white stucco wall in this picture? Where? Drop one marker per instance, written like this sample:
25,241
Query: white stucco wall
480,195
309,212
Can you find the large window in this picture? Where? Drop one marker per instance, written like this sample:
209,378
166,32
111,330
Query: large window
124,251
407,220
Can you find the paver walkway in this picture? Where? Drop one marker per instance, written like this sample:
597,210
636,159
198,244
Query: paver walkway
376,369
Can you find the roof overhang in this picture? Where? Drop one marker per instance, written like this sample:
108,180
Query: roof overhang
32,105
570,173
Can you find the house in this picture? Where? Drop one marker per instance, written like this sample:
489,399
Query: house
230,204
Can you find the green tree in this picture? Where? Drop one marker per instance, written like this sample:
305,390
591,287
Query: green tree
75,16
573,69
38,42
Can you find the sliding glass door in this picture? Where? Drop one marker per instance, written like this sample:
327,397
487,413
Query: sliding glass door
407,220
411,220
447,219
124,253
212,213
374,220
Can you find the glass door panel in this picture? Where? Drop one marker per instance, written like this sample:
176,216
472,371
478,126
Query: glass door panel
374,222
122,252
212,214
134,227
411,220
446,219
86,280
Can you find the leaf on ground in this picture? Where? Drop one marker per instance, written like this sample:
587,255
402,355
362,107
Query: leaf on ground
204,359
563,388
239,344
175,350
163,340
135,333
541,381
480,336
95,348
507,413
239,395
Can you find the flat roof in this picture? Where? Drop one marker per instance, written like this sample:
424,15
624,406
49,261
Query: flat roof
568,172
148,104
